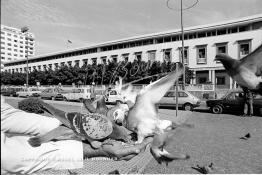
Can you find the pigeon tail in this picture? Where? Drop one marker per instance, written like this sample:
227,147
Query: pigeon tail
57,113
88,105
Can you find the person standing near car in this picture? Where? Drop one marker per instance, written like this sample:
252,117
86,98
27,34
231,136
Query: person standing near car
248,103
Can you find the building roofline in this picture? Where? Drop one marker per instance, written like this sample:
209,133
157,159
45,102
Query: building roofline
220,24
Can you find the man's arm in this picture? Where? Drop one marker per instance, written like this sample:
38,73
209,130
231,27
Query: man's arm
20,157
20,122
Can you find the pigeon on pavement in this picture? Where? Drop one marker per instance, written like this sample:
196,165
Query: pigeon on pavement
247,72
204,169
247,136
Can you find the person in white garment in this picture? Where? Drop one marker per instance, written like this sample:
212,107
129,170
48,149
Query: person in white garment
19,157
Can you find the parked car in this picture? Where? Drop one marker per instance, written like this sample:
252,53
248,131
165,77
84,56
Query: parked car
77,94
233,101
29,92
186,100
112,96
10,91
53,93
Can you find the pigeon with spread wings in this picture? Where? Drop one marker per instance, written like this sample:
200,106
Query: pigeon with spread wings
247,72
142,117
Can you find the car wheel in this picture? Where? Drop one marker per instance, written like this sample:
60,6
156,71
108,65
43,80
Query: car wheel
217,109
188,107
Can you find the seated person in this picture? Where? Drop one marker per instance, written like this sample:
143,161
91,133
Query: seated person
19,157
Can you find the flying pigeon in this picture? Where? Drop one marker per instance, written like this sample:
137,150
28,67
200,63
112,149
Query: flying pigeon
142,116
247,72
247,136
94,127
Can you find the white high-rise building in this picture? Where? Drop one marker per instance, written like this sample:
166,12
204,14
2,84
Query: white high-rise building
15,44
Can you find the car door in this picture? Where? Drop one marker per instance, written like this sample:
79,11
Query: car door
169,99
182,99
234,101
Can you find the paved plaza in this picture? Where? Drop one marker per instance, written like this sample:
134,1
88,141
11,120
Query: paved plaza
214,139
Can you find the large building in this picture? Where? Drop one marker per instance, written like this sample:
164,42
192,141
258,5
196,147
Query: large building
15,44
237,38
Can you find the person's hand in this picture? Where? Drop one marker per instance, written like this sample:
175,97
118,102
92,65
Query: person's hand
118,151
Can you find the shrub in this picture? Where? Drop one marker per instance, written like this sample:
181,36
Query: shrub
31,105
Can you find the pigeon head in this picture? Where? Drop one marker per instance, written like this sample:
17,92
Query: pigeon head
228,62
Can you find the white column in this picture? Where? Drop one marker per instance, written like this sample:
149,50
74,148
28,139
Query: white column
213,78
210,75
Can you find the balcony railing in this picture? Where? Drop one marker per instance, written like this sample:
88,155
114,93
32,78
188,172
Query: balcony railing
201,61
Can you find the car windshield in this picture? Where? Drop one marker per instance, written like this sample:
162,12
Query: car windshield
226,94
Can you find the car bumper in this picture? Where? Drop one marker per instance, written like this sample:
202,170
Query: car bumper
197,104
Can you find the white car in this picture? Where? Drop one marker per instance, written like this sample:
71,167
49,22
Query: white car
113,96
77,94
28,92
186,100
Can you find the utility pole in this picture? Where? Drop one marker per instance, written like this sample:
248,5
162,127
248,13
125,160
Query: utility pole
25,30
182,52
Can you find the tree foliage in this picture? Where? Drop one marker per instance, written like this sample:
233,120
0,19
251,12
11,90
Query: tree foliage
99,73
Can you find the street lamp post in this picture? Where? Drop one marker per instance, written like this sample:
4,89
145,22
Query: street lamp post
25,30
182,33
182,54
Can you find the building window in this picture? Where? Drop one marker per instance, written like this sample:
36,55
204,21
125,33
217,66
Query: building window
114,58
152,55
244,48
221,48
85,61
69,63
221,80
125,57
138,56
167,55
94,61
202,54
103,59
185,55
77,63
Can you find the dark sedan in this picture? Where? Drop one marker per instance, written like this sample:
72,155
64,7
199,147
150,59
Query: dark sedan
234,101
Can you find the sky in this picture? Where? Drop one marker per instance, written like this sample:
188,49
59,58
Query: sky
88,22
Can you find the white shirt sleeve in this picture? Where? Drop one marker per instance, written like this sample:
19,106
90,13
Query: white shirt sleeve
20,157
